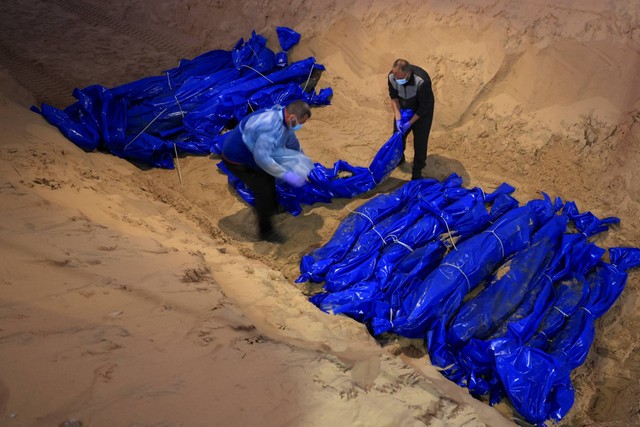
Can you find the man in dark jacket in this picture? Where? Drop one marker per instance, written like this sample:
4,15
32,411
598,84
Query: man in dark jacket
410,89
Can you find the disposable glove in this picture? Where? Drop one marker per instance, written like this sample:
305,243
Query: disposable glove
404,128
293,179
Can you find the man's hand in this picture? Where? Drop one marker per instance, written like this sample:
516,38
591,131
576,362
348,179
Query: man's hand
404,128
398,125
293,179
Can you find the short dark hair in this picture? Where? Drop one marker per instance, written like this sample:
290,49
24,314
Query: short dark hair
300,108
402,65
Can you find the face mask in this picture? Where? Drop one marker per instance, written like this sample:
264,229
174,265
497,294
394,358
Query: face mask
295,127
401,81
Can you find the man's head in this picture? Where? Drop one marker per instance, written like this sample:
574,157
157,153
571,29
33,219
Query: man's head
401,71
296,114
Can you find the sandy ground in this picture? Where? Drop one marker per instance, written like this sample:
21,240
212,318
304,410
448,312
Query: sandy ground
128,298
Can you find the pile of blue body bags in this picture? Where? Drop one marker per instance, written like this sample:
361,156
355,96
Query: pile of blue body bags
188,109
505,296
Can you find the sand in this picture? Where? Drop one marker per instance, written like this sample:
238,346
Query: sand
130,298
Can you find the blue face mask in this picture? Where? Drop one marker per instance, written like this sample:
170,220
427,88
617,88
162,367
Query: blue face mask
295,127
401,81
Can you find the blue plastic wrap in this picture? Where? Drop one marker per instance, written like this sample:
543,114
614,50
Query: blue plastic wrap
359,283
505,291
287,37
325,184
441,293
186,108
549,392
316,264
530,325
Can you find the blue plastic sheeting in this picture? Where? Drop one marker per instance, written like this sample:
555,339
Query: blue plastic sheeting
324,184
505,295
547,370
186,109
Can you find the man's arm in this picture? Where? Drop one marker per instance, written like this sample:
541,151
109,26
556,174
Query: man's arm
264,146
395,103
395,106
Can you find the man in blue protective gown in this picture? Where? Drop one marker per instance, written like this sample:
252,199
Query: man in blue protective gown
253,152
410,89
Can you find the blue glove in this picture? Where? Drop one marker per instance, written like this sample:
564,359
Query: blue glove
404,128
293,179
398,125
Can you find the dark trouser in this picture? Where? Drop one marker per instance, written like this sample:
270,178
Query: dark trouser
263,186
421,130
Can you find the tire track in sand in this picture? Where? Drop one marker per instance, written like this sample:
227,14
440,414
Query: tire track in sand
162,39
33,76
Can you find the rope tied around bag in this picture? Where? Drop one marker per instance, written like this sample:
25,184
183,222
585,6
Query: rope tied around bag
373,178
145,128
461,272
448,230
373,225
587,310
395,239
561,312
251,68
175,147
308,78
499,240
174,95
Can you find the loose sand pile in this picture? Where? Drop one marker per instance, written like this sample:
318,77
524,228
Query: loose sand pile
130,299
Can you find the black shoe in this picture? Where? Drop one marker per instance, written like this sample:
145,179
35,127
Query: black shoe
272,236
402,160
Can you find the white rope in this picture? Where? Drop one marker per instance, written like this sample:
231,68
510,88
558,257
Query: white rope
373,226
179,106
308,78
501,245
587,310
254,54
251,68
404,245
462,272
373,178
146,127
175,148
174,95
448,230
360,213
562,312
395,240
